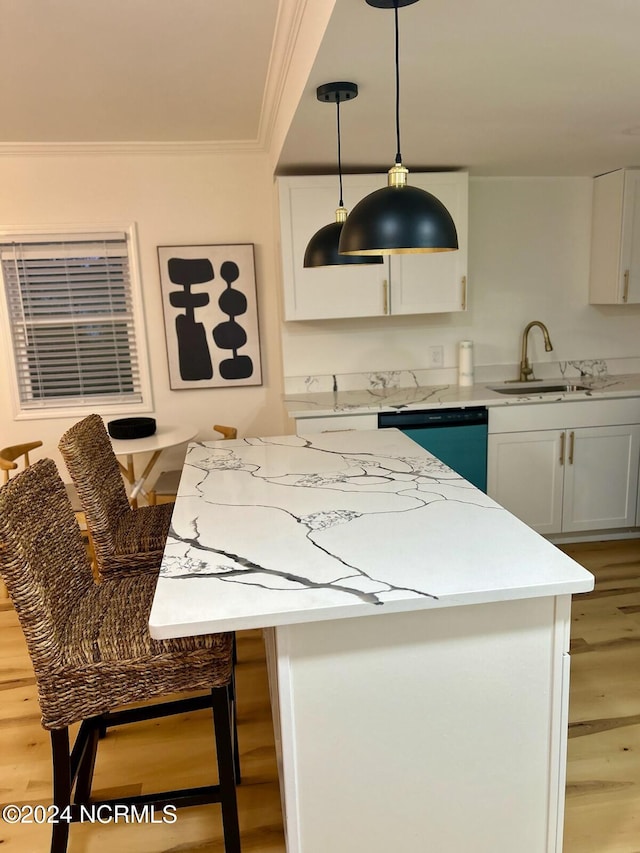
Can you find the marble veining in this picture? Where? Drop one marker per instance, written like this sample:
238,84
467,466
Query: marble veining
417,482
298,528
593,368
484,373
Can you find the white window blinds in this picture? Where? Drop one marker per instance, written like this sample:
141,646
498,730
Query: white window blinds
70,308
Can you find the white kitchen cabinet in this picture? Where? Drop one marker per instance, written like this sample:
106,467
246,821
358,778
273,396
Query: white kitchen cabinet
434,283
402,284
601,478
335,423
615,239
563,480
525,477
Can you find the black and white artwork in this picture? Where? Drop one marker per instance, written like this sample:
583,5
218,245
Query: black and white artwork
210,315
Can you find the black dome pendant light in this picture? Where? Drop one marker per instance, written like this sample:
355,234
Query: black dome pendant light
322,249
399,218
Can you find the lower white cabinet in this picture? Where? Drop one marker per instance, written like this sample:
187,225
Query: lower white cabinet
525,476
564,480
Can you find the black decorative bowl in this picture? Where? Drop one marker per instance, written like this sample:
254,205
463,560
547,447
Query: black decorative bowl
131,427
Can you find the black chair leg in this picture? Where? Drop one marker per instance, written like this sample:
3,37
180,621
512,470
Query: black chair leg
226,770
233,709
61,787
87,764
236,751
232,703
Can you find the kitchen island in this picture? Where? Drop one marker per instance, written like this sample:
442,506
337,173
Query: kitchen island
417,638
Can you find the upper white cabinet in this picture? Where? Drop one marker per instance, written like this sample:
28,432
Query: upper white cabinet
435,283
402,284
615,239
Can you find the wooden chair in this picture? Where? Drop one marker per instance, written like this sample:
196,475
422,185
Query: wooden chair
166,486
8,456
91,652
124,539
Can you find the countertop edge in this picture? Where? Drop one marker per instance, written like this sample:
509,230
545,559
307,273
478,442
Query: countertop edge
299,617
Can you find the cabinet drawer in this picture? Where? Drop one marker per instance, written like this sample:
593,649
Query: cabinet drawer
335,423
572,413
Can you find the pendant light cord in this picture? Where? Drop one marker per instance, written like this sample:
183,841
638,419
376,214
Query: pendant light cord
398,154
341,203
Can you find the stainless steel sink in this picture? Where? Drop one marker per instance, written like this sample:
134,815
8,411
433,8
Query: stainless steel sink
524,389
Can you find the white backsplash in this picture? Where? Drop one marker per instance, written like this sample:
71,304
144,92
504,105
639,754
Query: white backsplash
423,377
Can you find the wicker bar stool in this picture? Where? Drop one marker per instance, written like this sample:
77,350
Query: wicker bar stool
124,539
92,652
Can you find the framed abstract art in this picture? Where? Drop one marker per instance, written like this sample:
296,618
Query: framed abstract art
210,315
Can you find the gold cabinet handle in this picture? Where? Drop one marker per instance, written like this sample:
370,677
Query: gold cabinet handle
464,293
562,439
385,296
572,441
625,292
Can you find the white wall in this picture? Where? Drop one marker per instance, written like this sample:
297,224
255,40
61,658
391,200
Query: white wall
175,200
528,259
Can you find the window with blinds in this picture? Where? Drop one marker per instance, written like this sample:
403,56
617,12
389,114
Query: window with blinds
70,308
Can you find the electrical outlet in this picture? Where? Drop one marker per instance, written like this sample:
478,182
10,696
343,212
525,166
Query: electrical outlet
436,356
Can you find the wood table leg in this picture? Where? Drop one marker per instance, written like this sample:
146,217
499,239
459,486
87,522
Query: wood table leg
128,473
137,483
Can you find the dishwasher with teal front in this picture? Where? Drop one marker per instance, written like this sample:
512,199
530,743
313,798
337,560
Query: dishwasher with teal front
458,437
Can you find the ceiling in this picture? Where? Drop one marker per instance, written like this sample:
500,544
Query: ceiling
518,88
550,87
133,70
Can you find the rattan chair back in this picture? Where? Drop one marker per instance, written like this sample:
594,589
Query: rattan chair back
124,539
89,457
44,563
9,464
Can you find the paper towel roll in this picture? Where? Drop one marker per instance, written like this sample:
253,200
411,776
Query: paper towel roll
465,363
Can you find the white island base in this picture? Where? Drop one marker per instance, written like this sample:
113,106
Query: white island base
432,731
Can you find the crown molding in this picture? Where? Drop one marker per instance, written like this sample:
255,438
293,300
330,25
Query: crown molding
300,25
227,146
285,35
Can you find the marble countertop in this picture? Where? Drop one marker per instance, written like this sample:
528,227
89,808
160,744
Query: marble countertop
273,531
381,399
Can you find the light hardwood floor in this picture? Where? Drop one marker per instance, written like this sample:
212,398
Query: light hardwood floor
603,786
603,774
